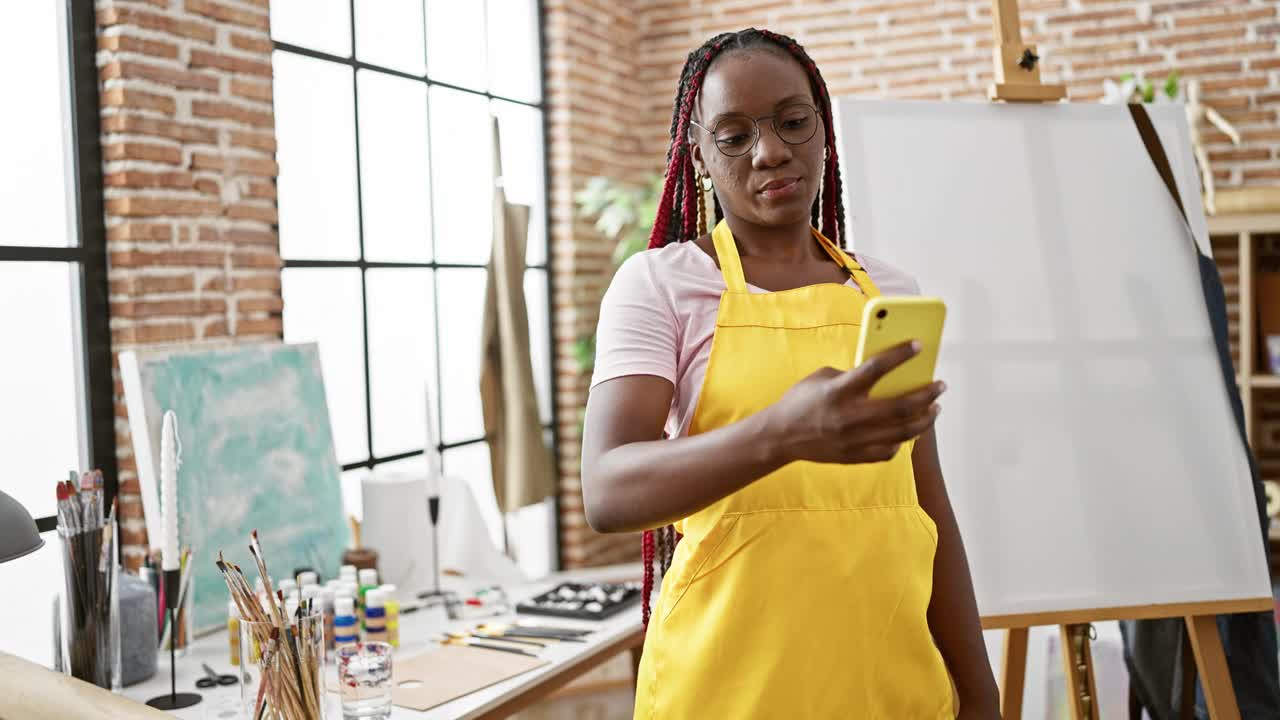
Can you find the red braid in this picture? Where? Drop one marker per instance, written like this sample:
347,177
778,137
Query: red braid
663,219
690,201
680,164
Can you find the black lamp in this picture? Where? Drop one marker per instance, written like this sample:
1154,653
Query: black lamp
18,533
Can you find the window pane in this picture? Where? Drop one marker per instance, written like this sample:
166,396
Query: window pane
513,49
535,293
37,382
323,25
33,580
461,294
402,357
455,42
34,188
461,175
324,306
389,33
315,133
522,170
471,463
394,184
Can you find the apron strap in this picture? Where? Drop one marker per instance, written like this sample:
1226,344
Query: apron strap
846,261
731,263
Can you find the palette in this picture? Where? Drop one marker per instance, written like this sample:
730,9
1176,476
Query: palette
582,601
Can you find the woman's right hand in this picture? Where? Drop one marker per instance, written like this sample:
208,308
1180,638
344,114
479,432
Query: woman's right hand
828,417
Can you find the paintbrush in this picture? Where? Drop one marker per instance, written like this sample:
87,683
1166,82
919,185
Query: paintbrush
566,634
499,638
448,640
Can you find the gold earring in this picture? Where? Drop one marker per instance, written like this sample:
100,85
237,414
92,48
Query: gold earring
702,203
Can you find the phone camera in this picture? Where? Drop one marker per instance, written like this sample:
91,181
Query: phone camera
882,313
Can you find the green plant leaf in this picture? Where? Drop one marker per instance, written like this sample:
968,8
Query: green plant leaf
634,242
594,197
1148,91
613,218
1171,85
584,353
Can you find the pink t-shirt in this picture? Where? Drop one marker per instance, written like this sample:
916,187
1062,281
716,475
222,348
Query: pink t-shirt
659,314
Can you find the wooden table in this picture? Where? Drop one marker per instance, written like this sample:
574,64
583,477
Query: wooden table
621,633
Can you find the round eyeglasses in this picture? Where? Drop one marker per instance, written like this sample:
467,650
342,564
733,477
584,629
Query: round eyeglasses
737,134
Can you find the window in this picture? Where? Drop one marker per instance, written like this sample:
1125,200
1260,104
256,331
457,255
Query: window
55,368
383,126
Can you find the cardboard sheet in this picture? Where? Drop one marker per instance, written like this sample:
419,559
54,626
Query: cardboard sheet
449,672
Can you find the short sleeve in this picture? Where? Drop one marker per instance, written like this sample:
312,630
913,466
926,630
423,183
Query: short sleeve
889,279
637,331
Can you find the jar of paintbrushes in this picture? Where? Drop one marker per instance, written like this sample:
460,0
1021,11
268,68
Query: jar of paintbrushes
91,604
281,647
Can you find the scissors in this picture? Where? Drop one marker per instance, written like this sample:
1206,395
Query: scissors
213,679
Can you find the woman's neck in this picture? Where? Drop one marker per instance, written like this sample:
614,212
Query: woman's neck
782,244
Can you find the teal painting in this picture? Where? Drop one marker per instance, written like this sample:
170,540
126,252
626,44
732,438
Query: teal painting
256,453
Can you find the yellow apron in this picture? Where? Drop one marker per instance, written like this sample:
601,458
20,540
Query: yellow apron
804,594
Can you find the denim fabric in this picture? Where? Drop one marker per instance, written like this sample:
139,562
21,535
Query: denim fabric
1153,648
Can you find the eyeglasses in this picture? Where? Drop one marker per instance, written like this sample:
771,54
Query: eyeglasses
736,135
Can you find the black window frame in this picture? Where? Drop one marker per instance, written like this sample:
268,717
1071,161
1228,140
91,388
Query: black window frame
92,342
363,265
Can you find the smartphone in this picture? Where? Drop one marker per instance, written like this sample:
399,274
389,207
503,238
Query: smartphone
890,321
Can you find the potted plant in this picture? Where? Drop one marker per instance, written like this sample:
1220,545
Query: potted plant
624,213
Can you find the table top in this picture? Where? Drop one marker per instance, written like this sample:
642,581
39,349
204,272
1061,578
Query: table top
417,629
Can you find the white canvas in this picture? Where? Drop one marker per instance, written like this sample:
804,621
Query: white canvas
1086,438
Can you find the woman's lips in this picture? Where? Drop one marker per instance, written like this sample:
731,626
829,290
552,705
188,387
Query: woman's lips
780,188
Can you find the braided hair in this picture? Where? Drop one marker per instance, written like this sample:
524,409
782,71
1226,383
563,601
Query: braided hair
681,213
677,217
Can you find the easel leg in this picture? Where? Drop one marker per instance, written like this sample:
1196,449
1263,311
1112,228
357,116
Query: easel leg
1219,694
1013,673
1077,666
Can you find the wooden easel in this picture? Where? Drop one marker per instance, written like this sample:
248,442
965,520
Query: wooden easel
1017,79
1017,64
1077,660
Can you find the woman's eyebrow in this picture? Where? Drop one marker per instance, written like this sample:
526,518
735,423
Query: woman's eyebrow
789,100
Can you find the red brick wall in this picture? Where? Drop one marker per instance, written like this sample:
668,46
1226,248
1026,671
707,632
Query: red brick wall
189,140
612,67
591,110
941,49
189,169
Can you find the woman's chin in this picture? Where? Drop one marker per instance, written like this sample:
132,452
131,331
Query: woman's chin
794,213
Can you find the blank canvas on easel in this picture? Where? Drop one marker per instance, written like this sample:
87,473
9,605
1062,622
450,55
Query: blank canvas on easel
1086,438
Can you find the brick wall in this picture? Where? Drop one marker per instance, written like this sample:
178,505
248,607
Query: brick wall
591,111
189,140
612,68
189,173
941,50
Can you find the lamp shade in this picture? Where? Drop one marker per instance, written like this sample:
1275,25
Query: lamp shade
18,533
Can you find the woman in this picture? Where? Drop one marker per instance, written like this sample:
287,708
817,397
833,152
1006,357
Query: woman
805,582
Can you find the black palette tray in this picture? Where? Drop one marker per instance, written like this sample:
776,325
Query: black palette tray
582,601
